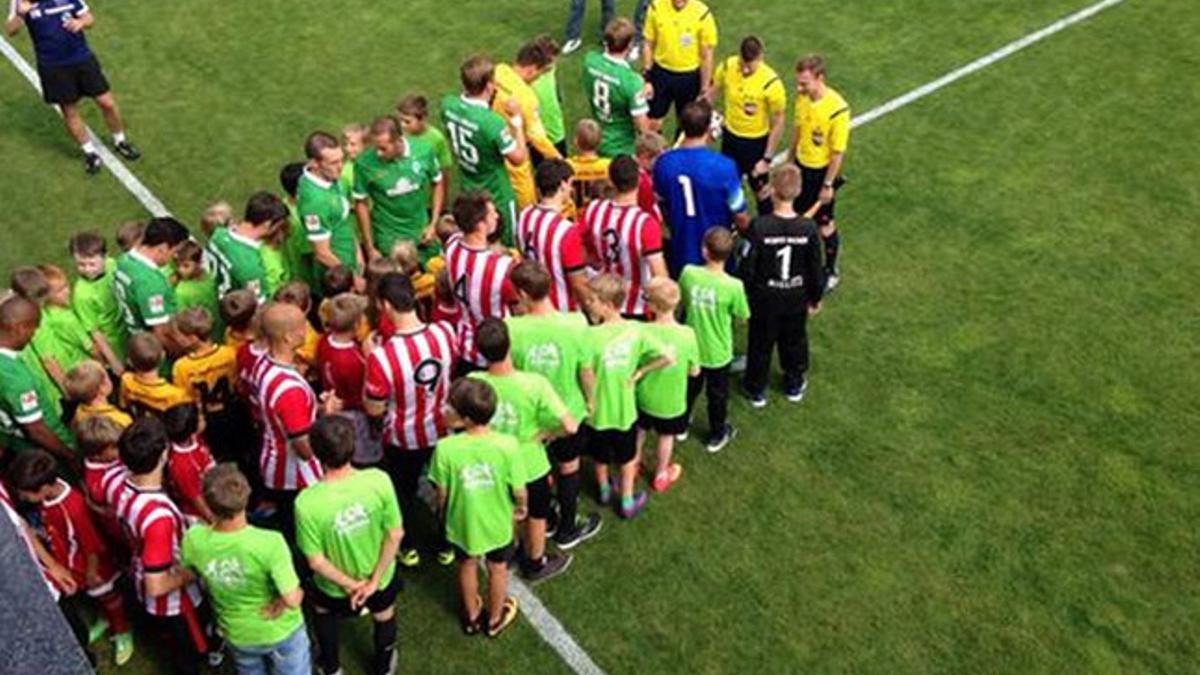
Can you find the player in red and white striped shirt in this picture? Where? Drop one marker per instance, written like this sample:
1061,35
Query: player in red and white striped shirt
544,235
408,378
188,461
155,526
625,240
73,539
478,274
288,408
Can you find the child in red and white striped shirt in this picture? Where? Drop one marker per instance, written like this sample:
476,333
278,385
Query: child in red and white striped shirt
188,461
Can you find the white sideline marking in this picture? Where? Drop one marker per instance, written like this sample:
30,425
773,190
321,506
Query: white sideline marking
547,626
982,62
114,164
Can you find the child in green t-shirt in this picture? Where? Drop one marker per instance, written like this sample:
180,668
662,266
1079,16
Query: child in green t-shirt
249,576
354,141
414,121
477,484
712,299
527,409
349,528
195,286
66,340
93,296
622,354
662,395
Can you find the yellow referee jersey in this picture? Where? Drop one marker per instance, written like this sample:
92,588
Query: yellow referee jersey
822,128
510,85
749,101
209,376
678,34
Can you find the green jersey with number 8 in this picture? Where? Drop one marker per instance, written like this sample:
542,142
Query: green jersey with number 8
616,95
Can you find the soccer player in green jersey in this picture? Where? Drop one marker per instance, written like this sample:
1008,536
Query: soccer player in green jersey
477,485
92,296
662,395
143,289
622,354
250,579
616,93
349,527
712,299
297,250
323,205
236,250
527,409
398,192
26,417
554,344
482,140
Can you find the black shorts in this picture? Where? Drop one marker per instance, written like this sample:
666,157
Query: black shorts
382,599
810,189
672,426
613,446
670,88
499,556
539,497
568,448
68,84
745,152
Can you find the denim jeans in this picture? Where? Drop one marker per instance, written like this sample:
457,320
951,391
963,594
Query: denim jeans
288,657
575,21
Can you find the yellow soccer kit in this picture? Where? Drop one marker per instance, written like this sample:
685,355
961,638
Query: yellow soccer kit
678,35
822,128
750,101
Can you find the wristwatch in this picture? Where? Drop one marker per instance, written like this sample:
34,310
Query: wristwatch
828,183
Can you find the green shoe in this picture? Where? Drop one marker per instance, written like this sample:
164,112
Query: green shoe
409,557
122,647
97,630
446,557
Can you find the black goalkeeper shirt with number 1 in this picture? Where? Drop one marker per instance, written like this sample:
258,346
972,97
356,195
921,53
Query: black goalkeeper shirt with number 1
782,269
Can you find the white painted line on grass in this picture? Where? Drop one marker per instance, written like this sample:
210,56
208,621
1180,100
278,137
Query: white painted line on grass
982,62
114,164
552,632
547,626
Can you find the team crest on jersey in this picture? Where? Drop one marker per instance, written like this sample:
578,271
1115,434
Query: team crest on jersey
818,138
351,519
157,304
29,401
226,572
750,108
477,477
312,222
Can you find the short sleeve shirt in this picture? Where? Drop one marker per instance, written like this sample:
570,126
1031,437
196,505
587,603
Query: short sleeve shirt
712,301
618,350
822,128
663,393
23,401
678,34
750,101
324,208
526,407
143,291
616,95
556,347
476,470
236,263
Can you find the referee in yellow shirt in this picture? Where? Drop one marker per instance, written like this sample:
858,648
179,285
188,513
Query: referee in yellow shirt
819,149
755,101
677,54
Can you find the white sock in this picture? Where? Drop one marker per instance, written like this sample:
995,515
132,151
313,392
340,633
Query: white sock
119,137
87,147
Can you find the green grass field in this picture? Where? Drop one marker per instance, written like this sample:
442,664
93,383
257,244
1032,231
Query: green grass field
995,470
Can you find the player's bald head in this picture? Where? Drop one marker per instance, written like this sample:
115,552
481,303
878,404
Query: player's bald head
280,320
16,311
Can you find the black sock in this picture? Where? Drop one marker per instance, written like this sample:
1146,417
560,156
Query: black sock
568,501
385,644
832,243
326,628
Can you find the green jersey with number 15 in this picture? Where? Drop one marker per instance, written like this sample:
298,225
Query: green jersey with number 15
480,140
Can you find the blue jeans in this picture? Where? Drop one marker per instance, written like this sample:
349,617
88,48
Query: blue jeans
575,21
289,657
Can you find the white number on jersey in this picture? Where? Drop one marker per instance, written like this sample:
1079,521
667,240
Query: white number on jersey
689,198
602,101
785,263
464,145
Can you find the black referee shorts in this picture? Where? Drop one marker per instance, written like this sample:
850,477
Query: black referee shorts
672,88
64,85
746,152
812,182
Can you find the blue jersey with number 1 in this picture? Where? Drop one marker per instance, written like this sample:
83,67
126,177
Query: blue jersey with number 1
699,188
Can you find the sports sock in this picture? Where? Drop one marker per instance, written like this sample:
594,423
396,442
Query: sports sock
385,644
118,137
326,628
88,147
568,502
832,243
627,503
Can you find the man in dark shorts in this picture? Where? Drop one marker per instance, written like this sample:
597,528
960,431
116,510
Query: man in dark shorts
69,71
677,55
